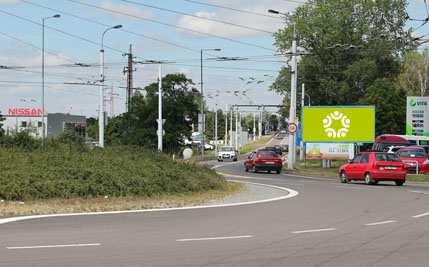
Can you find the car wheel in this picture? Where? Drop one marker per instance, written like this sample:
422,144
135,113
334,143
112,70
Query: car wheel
255,170
278,171
343,177
247,169
368,179
399,183
235,159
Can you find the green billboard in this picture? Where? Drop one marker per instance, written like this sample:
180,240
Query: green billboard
340,124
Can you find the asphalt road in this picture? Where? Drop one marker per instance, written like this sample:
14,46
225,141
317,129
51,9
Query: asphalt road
327,224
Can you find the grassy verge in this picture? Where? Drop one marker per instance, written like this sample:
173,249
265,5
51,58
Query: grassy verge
114,172
418,178
314,168
73,205
252,146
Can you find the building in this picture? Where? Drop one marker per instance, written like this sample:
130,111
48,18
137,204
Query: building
59,122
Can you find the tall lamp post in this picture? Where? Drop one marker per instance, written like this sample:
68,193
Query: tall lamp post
43,75
102,79
292,111
202,100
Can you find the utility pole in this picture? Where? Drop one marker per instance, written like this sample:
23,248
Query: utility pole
260,124
216,128
236,128
226,126
231,125
129,71
254,126
160,121
302,148
292,111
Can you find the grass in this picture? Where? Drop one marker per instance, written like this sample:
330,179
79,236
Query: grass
115,172
418,178
314,168
74,205
252,146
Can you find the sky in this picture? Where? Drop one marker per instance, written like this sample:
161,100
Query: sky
156,33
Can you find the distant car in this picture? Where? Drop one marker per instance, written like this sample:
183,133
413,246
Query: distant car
414,157
276,149
208,146
263,160
373,167
227,153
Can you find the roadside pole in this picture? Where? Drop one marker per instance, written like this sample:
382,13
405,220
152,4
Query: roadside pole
231,125
236,128
216,128
225,141
302,147
160,120
254,126
292,111
260,124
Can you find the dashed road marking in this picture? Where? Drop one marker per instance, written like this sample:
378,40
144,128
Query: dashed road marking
418,192
421,215
56,246
314,230
380,223
213,238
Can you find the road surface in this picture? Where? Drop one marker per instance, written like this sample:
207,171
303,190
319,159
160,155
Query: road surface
326,224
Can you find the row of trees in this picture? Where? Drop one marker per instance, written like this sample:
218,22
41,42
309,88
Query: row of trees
356,52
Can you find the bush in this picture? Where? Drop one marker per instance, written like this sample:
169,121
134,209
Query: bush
61,172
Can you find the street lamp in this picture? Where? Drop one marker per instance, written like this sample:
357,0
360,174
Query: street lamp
43,74
292,110
102,79
202,100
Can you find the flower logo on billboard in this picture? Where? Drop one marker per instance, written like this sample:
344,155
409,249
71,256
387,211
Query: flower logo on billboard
341,129
413,102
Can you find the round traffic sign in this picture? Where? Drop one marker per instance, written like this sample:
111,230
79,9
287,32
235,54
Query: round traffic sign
292,128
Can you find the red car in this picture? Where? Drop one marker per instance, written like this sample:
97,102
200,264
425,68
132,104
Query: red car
264,160
414,157
373,167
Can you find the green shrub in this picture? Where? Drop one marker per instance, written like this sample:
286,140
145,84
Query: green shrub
65,172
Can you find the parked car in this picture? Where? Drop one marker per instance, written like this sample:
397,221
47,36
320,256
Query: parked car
373,167
227,152
276,149
414,157
263,160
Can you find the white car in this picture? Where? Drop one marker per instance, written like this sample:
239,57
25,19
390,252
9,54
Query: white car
227,152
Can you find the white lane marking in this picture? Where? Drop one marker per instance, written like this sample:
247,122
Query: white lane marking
421,215
314,231
57,246
213,238
380,223
418,192
291,193
354,187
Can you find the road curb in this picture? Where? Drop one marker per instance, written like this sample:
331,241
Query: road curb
290,193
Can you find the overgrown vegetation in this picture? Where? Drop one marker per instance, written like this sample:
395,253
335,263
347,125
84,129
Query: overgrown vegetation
67,168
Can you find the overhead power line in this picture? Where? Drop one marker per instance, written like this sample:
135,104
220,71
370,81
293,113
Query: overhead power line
60,31
170,25
198,17
35,46
107,25
232,9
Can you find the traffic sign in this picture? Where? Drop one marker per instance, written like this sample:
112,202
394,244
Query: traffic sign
292,128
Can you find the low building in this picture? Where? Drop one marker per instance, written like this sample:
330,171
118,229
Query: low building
59,122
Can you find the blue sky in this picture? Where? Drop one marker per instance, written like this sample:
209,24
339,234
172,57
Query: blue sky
220,77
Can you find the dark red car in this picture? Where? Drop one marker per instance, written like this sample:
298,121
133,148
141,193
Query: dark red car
264,160
373,167
414,158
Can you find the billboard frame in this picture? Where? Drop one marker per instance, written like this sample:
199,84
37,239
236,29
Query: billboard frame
339,141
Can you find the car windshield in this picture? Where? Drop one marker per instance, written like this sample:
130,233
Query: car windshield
386,157
266,154
226,149
413,153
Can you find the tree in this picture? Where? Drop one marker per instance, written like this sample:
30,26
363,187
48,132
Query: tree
414,76
390,106
139,126
345,53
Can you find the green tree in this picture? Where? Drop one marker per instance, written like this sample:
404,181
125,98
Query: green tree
414,76
347,46
139,126
390,106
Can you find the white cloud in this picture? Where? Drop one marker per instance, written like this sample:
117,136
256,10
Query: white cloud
9,2
250,20
128,9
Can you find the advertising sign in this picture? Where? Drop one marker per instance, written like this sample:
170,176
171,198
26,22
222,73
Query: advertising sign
417,116
332,124
24,112
330,151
